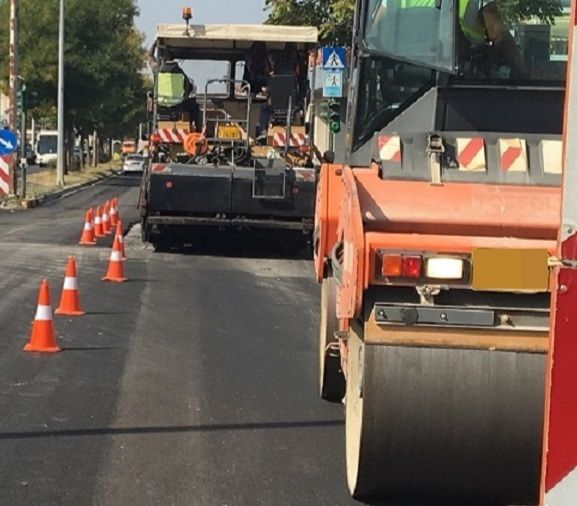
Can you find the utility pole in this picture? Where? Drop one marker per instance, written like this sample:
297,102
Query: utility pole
23,140
60,161
13,81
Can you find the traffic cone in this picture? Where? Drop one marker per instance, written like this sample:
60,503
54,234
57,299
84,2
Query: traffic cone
113,213
115,272
120,236
98,232
117,207
87,237
42,337
106,219
70,299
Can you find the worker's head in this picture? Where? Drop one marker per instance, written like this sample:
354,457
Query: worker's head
290,49
258,50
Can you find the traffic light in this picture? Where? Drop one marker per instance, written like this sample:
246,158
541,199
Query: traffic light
26,99
324,110
21,98
31,99
335,116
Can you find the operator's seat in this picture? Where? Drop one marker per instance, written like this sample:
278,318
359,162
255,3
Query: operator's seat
280,89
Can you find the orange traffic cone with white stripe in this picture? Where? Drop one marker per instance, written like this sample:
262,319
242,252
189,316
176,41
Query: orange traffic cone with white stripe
106,219
113,212
87,238
42,337
115,272
98,232
120,236
70,299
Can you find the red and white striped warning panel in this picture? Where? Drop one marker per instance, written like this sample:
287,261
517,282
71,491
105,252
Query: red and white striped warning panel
280,140
471,154
513,155
389,147
173,135
5,162
552,152
565,492
157,167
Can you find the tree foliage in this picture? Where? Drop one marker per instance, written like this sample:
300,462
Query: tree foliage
332,17
104,86
335,17
521,10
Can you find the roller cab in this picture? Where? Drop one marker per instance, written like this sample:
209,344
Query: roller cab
437,238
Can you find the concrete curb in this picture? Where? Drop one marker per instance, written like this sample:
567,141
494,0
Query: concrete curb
38,201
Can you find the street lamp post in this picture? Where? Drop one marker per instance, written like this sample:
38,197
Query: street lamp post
60,149
23,141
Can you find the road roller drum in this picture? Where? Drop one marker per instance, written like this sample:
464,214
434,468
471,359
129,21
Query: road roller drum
433,426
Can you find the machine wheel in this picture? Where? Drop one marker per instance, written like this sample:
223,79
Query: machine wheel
161,244
331,378
433,426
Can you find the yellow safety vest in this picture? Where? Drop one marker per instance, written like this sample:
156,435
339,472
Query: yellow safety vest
415,4
170,89
470,21
468,16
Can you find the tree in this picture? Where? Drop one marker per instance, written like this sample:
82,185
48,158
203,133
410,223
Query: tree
514,11
335,17
104,85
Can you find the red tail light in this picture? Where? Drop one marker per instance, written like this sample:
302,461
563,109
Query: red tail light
394,265
412,266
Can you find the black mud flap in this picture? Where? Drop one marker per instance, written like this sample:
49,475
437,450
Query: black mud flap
191,189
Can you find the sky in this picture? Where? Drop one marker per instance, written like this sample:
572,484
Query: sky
153,12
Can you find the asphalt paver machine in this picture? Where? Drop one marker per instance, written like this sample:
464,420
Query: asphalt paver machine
213,165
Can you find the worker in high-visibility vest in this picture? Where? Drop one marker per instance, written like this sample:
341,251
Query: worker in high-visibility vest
479,21
174,86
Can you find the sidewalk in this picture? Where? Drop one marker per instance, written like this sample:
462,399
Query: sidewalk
42,185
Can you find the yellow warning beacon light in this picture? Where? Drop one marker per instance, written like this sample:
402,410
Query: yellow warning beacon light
187,13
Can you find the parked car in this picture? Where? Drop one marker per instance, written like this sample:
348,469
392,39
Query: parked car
133,163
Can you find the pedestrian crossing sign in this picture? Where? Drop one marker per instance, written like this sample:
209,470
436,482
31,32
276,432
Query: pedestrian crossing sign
334,58
333,84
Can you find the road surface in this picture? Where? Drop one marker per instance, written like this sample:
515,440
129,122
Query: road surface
192,384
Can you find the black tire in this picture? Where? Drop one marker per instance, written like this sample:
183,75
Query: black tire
332,384
160,243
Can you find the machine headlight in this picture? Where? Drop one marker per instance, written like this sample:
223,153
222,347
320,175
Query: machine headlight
444,268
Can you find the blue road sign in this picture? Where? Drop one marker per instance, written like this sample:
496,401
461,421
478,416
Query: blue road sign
332,83
334,58
8,142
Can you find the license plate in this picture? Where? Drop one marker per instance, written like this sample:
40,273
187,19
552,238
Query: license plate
229,133
510,270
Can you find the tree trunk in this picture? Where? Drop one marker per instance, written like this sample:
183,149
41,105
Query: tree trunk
95,148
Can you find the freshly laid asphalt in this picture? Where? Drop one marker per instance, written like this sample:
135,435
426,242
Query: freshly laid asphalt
194,383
